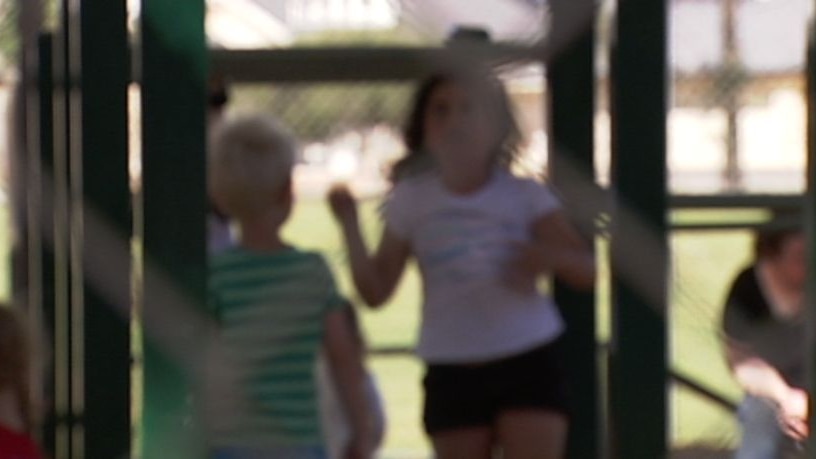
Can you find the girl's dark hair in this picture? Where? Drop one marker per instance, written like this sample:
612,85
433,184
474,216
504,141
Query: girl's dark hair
772,236
485,85
217,92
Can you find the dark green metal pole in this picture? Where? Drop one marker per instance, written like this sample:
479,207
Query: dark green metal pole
639,241
572,109
41,262
173,82
100,185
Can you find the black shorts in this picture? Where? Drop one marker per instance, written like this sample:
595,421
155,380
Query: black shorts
461,396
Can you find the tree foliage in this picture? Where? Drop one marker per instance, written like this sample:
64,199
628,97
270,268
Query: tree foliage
9,35
320,111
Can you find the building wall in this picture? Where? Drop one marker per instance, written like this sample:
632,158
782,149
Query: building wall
771,136
308,15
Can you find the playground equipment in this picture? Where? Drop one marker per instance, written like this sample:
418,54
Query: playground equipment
80,213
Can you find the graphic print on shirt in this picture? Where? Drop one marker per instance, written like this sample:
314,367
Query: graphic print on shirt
465,245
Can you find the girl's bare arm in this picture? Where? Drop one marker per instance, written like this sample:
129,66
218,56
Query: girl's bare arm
759,378
375,275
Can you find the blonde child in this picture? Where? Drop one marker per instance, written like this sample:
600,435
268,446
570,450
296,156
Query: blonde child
481,238
277,306
16,422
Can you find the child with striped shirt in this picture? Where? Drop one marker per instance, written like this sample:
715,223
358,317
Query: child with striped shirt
277,306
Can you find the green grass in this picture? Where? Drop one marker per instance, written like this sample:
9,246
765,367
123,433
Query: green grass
702,265
399,380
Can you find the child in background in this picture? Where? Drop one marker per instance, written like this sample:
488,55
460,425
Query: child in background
764,325
219,236
16,423
335,421
481,237
277,306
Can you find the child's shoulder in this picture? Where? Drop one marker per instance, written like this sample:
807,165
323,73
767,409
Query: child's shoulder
290,254
308,255
415,181
510,179
294,263
311,258
534,194
415,189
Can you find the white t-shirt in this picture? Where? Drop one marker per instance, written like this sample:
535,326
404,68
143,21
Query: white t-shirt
463,244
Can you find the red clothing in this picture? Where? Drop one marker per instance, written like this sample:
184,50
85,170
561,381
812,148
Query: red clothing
14,445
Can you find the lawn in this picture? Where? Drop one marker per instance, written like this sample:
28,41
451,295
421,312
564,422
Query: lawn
702,264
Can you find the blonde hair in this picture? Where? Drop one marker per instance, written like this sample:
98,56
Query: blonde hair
250,164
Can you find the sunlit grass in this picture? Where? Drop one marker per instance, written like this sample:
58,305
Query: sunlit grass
703,266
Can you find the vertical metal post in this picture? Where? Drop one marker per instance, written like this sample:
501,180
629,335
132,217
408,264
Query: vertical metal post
732,174
173,83
100,186
67,444
39,166
571,84
639,269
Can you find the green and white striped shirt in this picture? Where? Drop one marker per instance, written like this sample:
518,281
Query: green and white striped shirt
271,307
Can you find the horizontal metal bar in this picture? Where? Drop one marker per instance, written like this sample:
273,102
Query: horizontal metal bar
381,351
712,226
716,201
776,201
355,63
706,392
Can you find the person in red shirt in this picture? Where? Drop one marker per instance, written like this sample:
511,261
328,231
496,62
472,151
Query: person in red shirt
15,402
17,445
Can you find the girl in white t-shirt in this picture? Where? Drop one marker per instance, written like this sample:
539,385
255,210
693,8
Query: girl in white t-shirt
481,237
